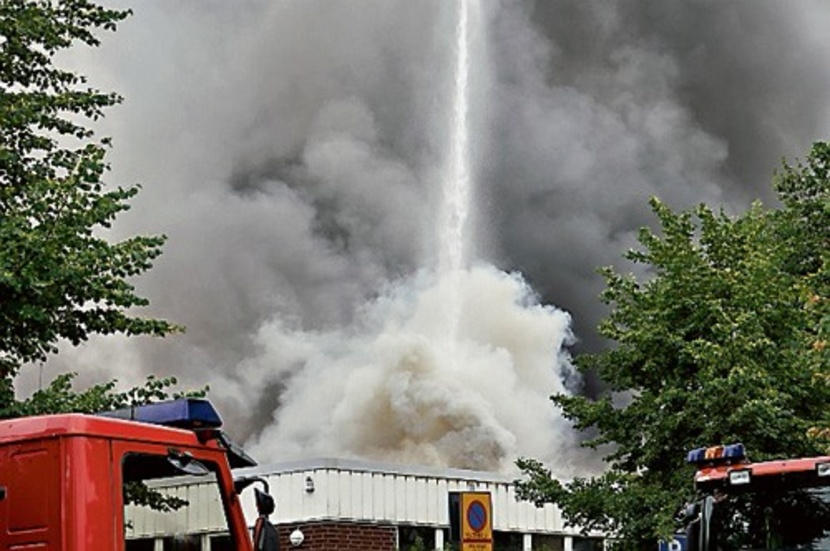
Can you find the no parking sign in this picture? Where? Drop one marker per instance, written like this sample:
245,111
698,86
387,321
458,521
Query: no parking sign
476,521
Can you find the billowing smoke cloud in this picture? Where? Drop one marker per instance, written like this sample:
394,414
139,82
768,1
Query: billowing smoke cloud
394,386
292,153
609,103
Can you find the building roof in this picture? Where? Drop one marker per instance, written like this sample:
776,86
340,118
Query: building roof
369,466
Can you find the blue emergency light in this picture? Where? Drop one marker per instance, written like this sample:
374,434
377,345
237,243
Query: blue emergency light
730,453
184,413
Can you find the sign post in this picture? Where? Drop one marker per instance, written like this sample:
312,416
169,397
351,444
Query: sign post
476,521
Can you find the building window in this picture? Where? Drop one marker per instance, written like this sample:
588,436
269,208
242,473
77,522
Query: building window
416,538
142,544
221,543
508,541
587,544
183,543
546,542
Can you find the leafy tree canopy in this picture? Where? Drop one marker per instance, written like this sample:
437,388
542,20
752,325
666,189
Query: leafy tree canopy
724,341
60,278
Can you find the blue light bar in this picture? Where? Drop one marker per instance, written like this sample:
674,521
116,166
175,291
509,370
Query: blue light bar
696,456
734,452
185,413
731,453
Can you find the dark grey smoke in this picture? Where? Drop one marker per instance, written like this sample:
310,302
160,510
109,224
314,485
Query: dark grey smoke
290,151
738,85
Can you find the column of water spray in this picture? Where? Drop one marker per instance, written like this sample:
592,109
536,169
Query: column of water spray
457,180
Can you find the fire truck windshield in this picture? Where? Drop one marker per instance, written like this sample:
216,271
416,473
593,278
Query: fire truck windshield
772,518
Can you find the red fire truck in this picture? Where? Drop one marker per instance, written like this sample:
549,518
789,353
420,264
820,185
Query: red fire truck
67,480
782,504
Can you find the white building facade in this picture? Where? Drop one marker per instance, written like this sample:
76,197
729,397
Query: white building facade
354,504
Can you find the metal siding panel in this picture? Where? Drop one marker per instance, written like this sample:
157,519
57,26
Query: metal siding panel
509,506
293,484
283,488
431,500
278,490
555,517
218,512
191,512
540,519
213,507
411,506
529,516
332,494
378,497
356,494
522,510
501,507
400,498
194,496
319,499
533,517
514,508
344,483
206,507
551,518
370,482
313,504
443,505
419,513
389,508
248,507
366,496
183,516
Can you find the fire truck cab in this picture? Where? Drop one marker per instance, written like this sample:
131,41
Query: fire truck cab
782,504
67,480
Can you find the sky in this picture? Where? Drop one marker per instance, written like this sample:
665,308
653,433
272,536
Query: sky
294,154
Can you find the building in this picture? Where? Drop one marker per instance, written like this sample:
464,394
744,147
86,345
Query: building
339,504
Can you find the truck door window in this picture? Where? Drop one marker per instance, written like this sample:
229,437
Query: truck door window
781,519
168,499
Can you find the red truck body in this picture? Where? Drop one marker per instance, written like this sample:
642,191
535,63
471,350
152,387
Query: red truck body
773,505
62,479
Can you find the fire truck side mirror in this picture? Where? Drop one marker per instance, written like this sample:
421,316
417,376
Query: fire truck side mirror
2,493
239,484
184,463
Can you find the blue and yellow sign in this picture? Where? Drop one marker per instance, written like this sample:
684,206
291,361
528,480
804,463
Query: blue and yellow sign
476,521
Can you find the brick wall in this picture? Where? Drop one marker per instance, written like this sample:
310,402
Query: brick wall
340,536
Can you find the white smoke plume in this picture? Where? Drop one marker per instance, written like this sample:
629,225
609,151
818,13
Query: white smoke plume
292,153
392,386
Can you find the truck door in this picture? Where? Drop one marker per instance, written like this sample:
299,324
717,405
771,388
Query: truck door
30,494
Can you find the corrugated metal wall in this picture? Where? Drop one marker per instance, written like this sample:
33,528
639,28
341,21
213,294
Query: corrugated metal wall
203,514
351,490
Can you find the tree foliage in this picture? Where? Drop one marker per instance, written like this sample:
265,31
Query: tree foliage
61,397
60,278
723,341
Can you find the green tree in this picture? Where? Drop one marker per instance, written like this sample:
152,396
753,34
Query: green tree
60,278
804,225
721,342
